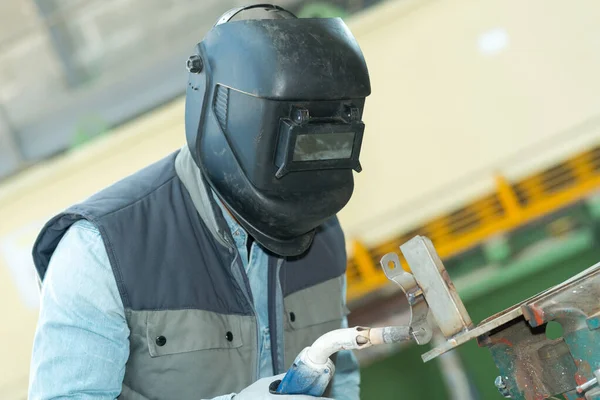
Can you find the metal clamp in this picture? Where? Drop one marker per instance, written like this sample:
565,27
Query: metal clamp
419,326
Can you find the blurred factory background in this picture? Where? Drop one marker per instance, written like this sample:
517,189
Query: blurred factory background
483,133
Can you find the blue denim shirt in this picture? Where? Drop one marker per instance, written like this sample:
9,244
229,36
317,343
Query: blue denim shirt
81,343
255,265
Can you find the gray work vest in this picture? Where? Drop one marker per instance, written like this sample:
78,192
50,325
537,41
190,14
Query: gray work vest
186,296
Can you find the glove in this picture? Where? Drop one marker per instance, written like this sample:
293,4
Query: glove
259,390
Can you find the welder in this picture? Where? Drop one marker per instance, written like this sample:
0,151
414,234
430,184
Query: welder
205,274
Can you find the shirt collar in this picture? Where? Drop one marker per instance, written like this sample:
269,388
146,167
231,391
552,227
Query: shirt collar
238,233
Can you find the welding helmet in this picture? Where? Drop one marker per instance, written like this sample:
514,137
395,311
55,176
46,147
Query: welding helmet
273,120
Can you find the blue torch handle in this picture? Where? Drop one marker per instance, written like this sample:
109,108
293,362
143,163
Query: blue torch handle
304,377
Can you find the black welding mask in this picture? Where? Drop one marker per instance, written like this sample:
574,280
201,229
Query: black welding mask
273,120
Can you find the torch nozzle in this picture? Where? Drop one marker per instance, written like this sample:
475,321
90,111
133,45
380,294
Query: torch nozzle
389,335
355,339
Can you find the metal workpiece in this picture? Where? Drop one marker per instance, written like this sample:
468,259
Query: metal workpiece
429,287
533,364
420,330
446,306
463,337
538,367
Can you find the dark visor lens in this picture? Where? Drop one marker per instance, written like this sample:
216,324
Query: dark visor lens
323,146
318,145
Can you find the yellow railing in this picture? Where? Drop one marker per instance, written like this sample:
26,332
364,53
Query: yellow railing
508,207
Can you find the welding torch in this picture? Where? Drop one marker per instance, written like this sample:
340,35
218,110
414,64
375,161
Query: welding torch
312,370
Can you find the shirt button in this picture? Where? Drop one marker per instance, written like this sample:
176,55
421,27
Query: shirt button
229,336
161,341
292,317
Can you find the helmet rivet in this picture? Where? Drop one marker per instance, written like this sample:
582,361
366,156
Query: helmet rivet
194,64
301,115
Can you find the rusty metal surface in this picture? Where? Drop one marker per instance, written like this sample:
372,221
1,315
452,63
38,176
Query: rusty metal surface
535,367
532,366
531,309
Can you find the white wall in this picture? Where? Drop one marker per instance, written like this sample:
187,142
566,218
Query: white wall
462,89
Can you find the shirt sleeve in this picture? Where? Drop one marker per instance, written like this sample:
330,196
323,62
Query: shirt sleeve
346,381
81,343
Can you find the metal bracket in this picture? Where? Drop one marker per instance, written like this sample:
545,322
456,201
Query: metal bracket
429,276
420,329
446,306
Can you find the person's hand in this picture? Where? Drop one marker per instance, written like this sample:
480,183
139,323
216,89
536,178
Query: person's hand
259,390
